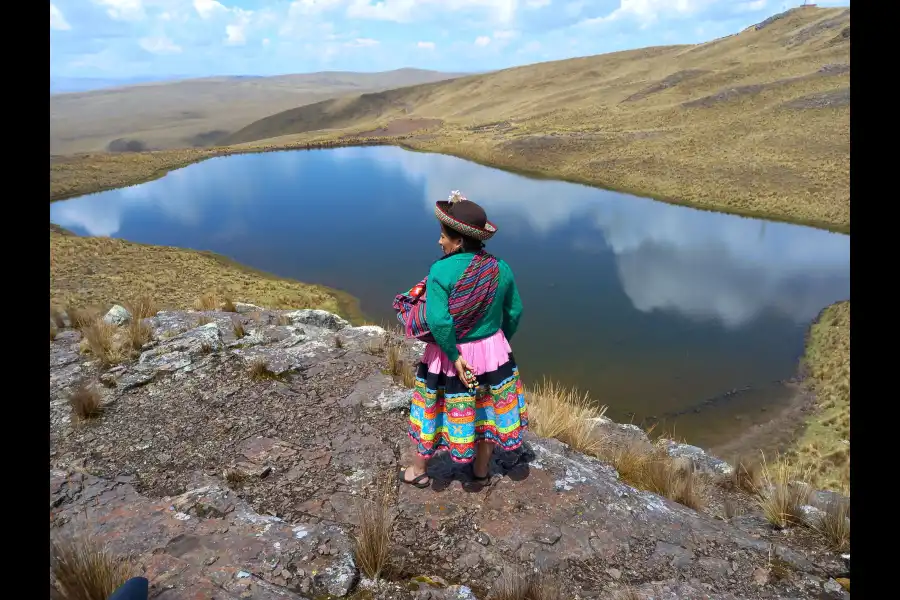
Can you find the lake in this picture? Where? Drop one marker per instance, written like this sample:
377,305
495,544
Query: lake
658,311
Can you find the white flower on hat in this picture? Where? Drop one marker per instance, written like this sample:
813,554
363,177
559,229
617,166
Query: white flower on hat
456,196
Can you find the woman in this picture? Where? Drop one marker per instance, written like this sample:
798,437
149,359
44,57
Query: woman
468,397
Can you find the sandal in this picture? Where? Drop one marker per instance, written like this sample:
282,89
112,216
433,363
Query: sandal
415,481
484,481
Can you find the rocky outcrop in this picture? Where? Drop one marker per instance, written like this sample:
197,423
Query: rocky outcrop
227,485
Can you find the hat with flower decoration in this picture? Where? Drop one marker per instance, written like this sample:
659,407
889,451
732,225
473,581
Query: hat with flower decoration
464,216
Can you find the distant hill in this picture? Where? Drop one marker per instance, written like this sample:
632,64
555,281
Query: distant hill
635,82
758,121
194,112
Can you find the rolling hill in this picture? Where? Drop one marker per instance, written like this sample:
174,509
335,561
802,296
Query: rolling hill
198,112
756,122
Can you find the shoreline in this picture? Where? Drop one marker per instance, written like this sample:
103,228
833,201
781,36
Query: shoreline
347,306
142,167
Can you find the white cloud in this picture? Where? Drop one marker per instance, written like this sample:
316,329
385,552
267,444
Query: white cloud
402,11
234,35
207,8
57,20
426,45
649,11
362,43
266,42
506,34
123,10
482,41
537,3
159,45
750,6
313,7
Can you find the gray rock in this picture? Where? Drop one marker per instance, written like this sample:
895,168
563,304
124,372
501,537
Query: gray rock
318,318
811,514
244,308
701,461
548,534
339,578
835,590
182,350
716,567
117,315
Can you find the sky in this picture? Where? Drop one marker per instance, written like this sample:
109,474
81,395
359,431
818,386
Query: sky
128,39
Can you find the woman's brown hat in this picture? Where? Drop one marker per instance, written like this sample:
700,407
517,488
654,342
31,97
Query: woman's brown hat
465,217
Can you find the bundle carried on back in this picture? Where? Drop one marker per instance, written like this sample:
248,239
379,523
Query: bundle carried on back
468,300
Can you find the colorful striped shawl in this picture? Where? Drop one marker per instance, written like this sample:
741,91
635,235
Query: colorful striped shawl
468,301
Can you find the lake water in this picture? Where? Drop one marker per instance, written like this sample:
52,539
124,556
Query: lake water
654,309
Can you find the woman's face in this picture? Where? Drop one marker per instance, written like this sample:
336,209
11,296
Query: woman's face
448,244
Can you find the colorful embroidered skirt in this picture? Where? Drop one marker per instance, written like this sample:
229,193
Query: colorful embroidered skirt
446,415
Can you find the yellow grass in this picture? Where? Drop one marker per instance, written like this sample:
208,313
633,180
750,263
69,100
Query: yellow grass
834,525
104,342
782,493
82,569
86,271
564,414
823,449
622,120
372,548
557,412
85,402
520,585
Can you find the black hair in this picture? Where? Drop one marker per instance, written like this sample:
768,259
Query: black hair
469,244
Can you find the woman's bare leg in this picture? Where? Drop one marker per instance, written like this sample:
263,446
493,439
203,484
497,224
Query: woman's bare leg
483,453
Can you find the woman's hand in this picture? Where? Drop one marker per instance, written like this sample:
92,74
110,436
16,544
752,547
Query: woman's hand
464,371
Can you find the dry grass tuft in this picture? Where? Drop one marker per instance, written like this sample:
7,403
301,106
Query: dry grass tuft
142,307
730,509
338,342
238,326
235,477
567,415
85,402
207,301
259,370
283,320
673,479
53,331
747,474
834,525
402,372
516,585
83,569
204,320
228,306
57,318
782,494
102,342
655,471
138,333
372,549
81,317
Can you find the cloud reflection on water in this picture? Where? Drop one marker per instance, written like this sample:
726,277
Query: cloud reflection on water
701,264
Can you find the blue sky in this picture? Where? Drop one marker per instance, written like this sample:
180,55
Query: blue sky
158,38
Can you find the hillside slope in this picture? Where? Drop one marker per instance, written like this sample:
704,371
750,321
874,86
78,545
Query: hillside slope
756,123
198,112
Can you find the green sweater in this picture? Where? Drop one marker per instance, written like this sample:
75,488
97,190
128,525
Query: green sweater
503,313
